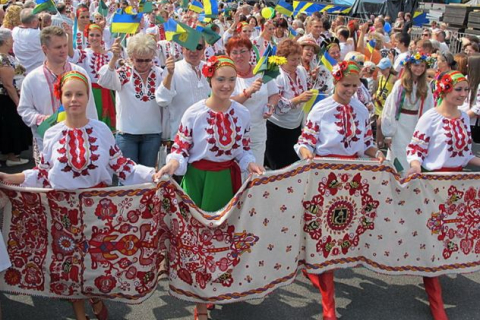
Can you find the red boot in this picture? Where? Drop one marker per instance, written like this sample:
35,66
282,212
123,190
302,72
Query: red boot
324,282
434,292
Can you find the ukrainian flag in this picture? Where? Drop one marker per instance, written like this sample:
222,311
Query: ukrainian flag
172,28
316,98
125,23
420,18
262,65
371,45
328,61
196,6
303,7
326,8
188,38
211,8
284,8
346,11
44,5
293,32
55,118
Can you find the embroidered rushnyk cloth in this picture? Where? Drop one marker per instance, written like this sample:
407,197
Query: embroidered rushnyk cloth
320,215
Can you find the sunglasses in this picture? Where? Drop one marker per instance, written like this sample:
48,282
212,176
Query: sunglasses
199,47
426,35
143,60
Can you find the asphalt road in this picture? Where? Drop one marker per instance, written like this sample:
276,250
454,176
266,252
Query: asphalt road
360,294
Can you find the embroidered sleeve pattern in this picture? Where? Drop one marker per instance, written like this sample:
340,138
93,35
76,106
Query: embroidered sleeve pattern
121,165
309,136
183,141
43,169
368,137
418,147
82,55
458,138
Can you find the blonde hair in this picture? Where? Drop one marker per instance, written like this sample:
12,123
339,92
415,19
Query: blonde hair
407,82
141,44
12,17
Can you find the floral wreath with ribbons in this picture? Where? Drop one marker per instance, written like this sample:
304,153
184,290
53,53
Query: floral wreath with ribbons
417,57
447,81
343,68
57,87
89,27
214,63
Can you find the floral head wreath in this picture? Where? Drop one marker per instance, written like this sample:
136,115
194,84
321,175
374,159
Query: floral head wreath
57,88
416,58
446,81
241,25
344,68
80,10
328,42
214,63
89,27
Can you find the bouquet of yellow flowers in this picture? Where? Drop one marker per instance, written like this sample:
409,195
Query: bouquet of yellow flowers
269,64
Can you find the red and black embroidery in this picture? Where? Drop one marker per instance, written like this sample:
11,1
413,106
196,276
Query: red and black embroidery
419,147
121,165
310,134
224,131
347,125
124,73
183,141
458,137
145,91
97,60
78,151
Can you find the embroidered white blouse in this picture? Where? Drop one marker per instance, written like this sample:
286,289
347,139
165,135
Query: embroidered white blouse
91,61
137,110
83,158
286,115
214,136
164,48
440,142
336,129
187,88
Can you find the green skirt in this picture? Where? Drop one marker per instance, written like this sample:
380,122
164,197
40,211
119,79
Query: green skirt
210,190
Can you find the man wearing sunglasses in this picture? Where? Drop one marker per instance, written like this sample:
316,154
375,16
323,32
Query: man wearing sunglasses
183,85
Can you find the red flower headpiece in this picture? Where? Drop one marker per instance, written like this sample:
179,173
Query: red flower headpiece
89,27
447,81
214,63
57,87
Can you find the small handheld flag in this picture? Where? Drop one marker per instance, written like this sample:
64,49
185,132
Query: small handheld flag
371,45
172,28
125,23
196,6
317,97
44,5
328,61
55,118
284,8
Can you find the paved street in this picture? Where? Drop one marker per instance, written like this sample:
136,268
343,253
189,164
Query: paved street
361,294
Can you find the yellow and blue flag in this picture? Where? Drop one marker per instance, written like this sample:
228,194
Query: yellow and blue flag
263,66
102,8
420,18
211,8
44,5
196,6
371,45
125,23
55,118
172,28
292,32
284,8
304,7
327,8
328,61
317,97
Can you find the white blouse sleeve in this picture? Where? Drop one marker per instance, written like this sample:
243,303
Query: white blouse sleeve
389,123
246,157
164,96
183,142
417,149
109,78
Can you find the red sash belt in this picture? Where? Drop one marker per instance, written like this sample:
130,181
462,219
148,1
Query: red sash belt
449,169
412,112
341,156
235,172
100,185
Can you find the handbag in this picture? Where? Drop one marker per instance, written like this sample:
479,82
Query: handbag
476,132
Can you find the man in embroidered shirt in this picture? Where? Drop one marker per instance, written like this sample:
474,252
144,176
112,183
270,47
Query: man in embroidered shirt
37,101
183,85
26,41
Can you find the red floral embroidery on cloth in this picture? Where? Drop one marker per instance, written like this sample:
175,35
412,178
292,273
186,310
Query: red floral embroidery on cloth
459,139
78,151
416,148
145,92
456,222
82,41
121,165
193,247
330,214
296,86
309,134
124,73
224,132
27,238
347,125
183,141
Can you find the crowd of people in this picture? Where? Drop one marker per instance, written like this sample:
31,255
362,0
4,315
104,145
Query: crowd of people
126,96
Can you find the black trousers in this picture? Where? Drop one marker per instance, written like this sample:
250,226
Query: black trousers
279,147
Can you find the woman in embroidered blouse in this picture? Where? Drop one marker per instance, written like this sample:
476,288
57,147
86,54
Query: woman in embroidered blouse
410,98
257,97
442,142
284,126
323,135
79,153
15,136
310,50
265,37
212,145
139,120
92,59
80,41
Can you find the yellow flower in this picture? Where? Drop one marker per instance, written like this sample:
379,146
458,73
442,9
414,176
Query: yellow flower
277,60
418,56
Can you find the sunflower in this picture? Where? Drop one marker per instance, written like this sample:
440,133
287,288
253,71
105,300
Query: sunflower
277,60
